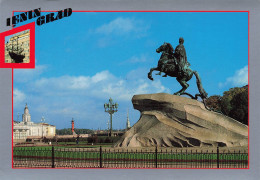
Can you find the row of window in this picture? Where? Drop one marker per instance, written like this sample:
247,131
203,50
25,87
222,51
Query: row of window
21,135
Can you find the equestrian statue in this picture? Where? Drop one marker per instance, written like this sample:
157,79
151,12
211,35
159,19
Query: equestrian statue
174,64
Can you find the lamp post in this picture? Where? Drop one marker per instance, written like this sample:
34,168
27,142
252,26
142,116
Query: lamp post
111,108
107,127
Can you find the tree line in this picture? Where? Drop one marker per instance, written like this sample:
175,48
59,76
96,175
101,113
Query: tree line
233,103
67,131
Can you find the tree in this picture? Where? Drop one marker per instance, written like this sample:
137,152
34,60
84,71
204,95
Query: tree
233,103
228,96
67,131
239,104
214,102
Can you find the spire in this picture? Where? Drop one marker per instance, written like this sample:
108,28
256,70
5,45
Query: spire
26,110
26,115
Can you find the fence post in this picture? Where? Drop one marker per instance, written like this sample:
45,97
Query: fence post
156,153
217,157
100,154
239,161
52,157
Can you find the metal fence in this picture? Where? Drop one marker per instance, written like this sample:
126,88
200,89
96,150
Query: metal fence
58,157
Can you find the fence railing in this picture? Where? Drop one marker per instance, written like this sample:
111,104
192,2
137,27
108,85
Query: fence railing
58,157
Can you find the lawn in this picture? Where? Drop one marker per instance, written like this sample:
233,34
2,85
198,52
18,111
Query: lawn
83,152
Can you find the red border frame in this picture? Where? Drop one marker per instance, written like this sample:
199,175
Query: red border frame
31,64
198,11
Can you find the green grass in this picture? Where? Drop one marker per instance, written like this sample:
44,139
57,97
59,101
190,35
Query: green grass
80,154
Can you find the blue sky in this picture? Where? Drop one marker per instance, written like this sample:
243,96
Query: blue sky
84,59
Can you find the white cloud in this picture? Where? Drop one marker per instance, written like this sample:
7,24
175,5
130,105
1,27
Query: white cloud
137,59
137,74
65,111
101,85
159,87
240,78
101,76
19,97
82,97
26,75
121,26
80,82
104,42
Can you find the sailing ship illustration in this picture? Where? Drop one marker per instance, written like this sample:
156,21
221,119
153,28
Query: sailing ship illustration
15,51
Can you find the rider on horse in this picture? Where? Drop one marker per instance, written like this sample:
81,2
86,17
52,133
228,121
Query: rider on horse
174,64
180,54
169,56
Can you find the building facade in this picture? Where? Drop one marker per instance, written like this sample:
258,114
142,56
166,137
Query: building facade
21,130
22,40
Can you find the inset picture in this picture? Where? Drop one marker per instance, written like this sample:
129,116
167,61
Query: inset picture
17,47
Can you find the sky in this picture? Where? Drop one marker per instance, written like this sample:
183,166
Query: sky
84,59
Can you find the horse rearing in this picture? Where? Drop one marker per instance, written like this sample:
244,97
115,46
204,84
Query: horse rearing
169,65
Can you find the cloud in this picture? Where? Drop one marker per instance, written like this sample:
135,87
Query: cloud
66,83
122,26
101,76
104,42
240,78
137,74
65,111
18,96
82,97
136,59
26,75
102,85
107,34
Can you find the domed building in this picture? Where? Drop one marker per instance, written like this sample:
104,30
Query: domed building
26,128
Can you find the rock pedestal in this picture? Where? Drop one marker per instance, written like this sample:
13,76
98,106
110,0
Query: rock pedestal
173,121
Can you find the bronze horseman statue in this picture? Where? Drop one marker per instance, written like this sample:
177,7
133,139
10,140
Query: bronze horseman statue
175,64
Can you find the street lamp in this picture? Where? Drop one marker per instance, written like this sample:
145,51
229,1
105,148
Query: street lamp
107,127
111,108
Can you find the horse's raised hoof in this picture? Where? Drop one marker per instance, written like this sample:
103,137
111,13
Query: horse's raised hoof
150,77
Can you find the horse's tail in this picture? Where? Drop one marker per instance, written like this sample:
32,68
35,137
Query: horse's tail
203,93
